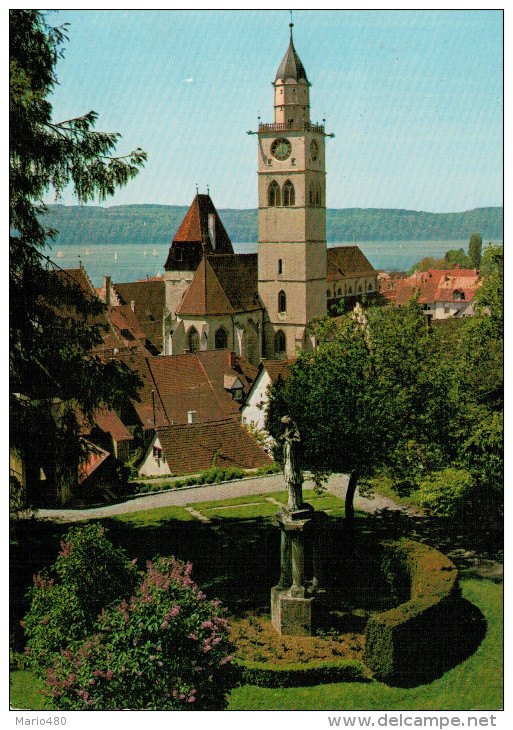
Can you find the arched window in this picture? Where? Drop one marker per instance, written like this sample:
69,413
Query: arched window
193,339
221,339
280,343
369,287
360,289
280,266
318,196
350,290
311,195
339,291
282,302
289,195
274,194
328,293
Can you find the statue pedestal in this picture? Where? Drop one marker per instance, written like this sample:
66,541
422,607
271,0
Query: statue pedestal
293,602
289,615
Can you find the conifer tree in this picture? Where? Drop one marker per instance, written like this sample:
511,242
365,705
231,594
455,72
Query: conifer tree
54,325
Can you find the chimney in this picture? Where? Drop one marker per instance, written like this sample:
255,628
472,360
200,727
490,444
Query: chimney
191,416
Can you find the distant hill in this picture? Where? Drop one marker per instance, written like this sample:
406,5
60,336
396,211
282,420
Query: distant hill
157,224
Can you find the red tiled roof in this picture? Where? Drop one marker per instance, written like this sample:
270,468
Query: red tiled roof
149,300
223,284
347,261
195,382
276,368
109,422
434,285
95,458
190,448
193,240
144,408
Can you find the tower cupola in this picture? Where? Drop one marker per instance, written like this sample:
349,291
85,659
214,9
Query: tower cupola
291,90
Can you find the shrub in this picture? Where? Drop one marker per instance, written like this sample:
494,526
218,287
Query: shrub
92,573
166,648
447,492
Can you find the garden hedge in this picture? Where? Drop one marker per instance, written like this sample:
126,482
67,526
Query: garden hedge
266,674
407,642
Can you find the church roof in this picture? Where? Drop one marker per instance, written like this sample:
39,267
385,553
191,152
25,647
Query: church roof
193,238
347,261
223,284
291,66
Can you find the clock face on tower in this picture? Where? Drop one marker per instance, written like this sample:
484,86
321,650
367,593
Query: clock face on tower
314,150
281,148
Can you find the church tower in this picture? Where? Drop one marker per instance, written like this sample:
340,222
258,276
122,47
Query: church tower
291,213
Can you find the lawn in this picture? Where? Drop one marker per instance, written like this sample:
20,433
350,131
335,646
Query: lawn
236,558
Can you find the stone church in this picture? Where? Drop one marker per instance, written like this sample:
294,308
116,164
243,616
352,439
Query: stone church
259,305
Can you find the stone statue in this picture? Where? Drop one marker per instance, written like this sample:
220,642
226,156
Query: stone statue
291,464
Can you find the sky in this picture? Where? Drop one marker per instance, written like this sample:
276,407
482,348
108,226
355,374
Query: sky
414,98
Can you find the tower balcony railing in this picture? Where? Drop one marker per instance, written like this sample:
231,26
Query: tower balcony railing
297,126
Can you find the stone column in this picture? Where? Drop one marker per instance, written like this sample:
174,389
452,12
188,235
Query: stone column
285,561
297,589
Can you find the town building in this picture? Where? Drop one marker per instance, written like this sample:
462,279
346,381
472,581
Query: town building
442,293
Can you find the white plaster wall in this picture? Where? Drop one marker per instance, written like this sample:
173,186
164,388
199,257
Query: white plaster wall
151,466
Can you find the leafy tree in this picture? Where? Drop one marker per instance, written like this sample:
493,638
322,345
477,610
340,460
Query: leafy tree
474,250
54,326
453,257
362,394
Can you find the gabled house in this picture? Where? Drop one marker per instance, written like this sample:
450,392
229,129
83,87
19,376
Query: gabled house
189,448
442,293
253,411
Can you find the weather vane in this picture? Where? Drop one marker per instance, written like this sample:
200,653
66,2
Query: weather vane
197,191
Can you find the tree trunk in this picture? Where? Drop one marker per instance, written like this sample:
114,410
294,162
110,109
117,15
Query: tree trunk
351,489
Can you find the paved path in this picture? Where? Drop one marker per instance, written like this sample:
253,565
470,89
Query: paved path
475,550
337,485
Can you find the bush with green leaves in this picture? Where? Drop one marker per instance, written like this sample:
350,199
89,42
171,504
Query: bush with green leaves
88,574
448,492
166,648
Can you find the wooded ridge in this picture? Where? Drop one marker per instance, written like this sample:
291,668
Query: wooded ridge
157,224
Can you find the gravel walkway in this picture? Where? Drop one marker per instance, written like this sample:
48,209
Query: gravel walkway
476,550
337,485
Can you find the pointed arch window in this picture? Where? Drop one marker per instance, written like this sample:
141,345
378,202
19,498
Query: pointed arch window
282,302
318,196
280,342
311,195
289,194
193,339
274,195
221,339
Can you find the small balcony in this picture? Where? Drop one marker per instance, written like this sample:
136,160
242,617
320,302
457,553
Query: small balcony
298,126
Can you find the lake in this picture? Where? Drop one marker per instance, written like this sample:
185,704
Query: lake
129,262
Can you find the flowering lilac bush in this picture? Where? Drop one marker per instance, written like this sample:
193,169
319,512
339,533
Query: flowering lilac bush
91,573
165,648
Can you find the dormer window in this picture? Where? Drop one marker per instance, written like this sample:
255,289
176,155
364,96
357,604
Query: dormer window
459,295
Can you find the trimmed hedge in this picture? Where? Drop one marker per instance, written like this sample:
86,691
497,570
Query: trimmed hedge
265,674
407,641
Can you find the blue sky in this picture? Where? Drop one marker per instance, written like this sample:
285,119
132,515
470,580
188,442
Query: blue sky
415,99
